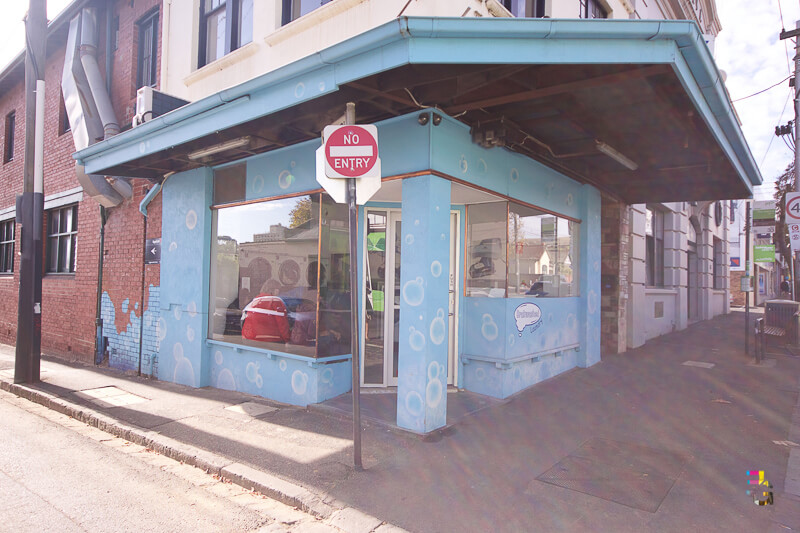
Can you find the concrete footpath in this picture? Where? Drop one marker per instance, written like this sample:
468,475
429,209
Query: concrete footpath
660,438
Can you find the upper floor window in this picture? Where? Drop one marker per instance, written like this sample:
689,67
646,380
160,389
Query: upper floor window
7,246
294,9
63,118
148,50
591,9
525,8
62,239
654,235
8,148
225,25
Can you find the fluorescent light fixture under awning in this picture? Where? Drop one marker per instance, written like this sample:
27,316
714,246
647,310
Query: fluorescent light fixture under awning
217,148
616,156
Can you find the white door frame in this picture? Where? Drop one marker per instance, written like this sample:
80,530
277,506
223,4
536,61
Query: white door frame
455,268
392,216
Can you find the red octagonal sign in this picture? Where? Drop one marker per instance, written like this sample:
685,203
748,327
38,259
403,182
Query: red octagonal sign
351,151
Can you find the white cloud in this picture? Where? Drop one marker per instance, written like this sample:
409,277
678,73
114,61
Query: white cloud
748,49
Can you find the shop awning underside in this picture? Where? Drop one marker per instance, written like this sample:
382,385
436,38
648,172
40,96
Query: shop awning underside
557,91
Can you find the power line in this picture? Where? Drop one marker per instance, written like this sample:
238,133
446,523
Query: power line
772,137
761,91
785,45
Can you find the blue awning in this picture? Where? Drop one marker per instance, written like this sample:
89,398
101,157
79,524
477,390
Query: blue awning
555,90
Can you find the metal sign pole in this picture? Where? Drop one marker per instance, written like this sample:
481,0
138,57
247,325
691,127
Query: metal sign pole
747,275
352,209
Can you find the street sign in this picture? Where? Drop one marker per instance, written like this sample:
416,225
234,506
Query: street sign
794,236
792,207
764,253
764,215
351,151
337,188
152,251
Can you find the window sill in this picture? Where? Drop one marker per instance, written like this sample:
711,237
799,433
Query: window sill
58,275
309,20
222,63
271,354
6,275
660,290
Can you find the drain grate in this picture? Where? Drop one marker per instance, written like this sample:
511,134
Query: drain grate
626,473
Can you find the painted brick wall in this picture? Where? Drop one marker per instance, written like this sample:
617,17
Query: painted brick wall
69,301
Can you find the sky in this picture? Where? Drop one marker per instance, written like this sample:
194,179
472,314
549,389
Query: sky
747,49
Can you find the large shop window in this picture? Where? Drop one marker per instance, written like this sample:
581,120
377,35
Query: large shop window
519,251
280,276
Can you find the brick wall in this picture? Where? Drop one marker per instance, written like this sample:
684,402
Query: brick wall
615,252
69,300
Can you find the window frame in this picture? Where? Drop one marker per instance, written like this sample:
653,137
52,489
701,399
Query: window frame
654,248
7,243
63,119
10,137
148,70
233,33
718,263
532,8
508,255
290,10
588,9
327,287
56,237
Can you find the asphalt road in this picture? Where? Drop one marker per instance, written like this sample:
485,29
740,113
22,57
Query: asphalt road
58,474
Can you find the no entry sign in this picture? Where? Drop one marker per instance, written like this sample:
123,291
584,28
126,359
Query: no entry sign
351,152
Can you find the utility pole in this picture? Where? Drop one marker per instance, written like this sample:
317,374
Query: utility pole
30,204
795,34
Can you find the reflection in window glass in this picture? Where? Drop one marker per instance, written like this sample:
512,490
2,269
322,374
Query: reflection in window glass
334,281
486,249
266,279
245,22
542,254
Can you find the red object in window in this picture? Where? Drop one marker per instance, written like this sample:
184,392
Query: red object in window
266,319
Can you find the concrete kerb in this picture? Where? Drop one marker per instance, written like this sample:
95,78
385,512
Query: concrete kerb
246,477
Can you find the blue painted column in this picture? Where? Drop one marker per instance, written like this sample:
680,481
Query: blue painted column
422,366
590,277
185,264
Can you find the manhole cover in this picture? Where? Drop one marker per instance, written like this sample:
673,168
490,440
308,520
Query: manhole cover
629,474
110,397
251,409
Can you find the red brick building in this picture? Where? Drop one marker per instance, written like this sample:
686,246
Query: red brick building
71,256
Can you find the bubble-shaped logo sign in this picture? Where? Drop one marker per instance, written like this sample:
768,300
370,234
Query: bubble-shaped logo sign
525,315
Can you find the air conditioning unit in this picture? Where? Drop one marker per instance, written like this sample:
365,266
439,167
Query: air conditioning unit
151,103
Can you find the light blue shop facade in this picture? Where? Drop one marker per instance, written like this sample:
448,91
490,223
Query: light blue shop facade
479,262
